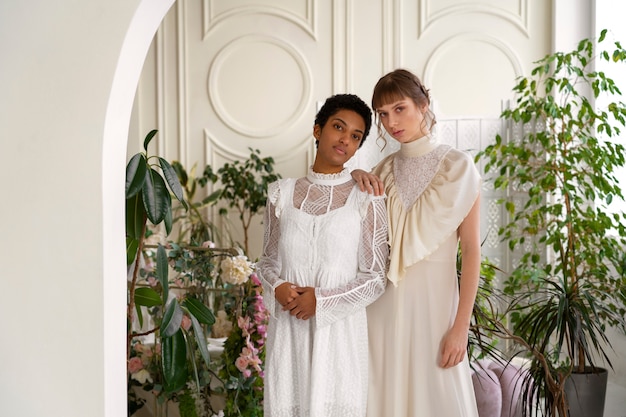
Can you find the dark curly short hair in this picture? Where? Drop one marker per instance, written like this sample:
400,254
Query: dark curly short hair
339,102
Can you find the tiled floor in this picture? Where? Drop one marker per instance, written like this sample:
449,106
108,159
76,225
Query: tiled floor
615,405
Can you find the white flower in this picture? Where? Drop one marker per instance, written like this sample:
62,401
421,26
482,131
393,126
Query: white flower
222,326
142,376
236,270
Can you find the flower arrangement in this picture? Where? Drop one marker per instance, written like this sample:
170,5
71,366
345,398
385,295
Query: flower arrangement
226,283
244,353
214,294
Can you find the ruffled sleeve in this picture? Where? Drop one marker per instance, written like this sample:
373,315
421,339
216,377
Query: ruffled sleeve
437,213
270,264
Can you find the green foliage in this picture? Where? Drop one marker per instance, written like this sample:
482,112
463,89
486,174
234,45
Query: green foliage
194,226
148,199
243,186
147,192
180,285
564,286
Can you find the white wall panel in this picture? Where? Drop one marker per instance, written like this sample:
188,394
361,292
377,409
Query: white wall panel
224,75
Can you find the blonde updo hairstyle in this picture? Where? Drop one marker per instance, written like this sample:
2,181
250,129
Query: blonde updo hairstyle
396,86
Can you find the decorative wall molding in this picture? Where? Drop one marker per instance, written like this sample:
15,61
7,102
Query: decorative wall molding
392,34
160,70
427,19
211,19
343,45
235,123
215,148
182,89
446,45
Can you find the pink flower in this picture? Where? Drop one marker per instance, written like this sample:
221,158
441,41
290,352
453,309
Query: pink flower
241,363
255,279
260,317
244,324
139,347
208,244
135,365
186,323
247,373
148,351
152,281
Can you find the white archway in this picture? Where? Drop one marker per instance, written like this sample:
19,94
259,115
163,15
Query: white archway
143,26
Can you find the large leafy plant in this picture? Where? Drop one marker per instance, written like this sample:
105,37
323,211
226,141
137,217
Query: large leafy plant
569,284
148,199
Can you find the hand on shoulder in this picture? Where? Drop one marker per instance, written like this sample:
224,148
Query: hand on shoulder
368,182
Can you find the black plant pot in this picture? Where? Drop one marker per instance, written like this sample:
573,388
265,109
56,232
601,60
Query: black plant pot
586,392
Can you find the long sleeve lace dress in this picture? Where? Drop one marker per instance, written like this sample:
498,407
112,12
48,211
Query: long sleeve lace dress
321,231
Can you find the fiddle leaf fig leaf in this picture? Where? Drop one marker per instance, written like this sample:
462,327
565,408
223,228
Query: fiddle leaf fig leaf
172,180
180,172
156,198
172,319
162,271
198,332
198,310
174,366
135,217
147,297
148,138
168,221
135,174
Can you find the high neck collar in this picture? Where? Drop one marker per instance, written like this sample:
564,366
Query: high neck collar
328,179
418,147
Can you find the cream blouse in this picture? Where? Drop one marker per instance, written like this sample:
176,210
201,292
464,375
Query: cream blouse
430,190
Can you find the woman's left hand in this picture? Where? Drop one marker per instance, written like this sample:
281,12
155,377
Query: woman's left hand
303,306
453,347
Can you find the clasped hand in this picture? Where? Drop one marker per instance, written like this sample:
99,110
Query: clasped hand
299,301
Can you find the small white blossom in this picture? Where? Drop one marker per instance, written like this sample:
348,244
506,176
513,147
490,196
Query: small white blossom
222,326
236,270
142,376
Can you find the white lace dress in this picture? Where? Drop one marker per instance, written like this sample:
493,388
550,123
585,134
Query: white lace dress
430,189
322,232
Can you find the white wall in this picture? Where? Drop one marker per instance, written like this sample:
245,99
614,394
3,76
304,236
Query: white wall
57,355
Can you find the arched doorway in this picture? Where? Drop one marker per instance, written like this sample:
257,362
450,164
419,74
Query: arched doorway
141,31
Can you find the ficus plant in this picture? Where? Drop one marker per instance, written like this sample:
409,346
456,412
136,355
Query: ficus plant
569,284
243,187
149,181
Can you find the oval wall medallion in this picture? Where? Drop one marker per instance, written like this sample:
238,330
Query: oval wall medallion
259,85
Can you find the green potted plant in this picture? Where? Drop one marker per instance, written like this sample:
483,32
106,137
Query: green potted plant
176,285
148,199
243,187
569,284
